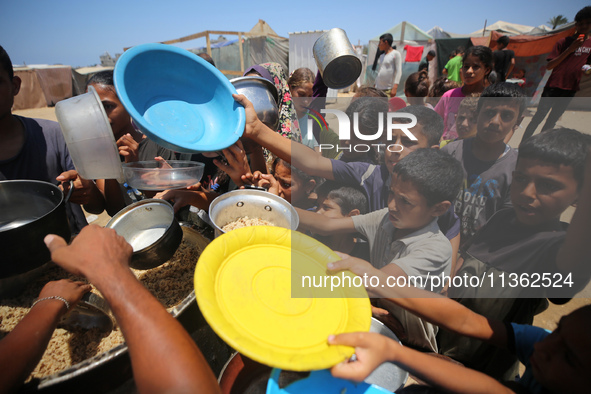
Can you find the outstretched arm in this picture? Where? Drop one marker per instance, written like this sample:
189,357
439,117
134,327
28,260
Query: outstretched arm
321,225
436,309
372,349
164,358
23,347
299,155
571,48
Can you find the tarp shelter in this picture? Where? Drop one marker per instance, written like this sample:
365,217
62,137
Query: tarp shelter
505,28
42,85
405,33
260,45
80,77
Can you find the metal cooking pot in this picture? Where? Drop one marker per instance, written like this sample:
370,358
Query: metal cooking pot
29,210
151,229
263,96
336,60
254,204
111,370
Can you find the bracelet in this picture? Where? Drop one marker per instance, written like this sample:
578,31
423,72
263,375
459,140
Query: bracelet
53,298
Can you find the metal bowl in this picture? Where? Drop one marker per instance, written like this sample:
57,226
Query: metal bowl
254,204
29,210
151,229
263,96
388,375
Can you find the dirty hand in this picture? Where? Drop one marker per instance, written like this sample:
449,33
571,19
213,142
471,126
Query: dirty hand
371,350
95,252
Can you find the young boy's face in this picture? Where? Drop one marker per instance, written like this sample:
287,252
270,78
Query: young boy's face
540,192
118,116
496,119
407,208
561,362
465,123
329,208
402,140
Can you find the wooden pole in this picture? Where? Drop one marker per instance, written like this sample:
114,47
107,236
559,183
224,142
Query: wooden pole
484,29
208,41
241,52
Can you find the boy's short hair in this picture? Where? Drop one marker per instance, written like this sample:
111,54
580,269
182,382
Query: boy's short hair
436,174
388,38
432,53
559,146
346,197
368,110
469,104
430,121
503,40
504,89
6,63
205,56
584,13
104,78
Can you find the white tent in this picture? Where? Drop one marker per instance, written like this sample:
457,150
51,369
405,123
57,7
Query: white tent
405,33
504,28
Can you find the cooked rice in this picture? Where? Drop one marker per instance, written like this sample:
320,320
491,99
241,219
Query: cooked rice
246,222
170,283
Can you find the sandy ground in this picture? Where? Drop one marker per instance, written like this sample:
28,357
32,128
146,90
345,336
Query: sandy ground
578,120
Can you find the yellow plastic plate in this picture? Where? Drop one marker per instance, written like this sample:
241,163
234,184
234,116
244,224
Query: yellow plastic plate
243,288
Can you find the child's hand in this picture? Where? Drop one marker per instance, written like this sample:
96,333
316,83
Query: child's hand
237,166
252,119
67,289
128,148
357,266
181,198
83,188
371,350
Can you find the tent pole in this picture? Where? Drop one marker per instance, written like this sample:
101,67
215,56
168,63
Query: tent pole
402,32
208,43
241,52
484,29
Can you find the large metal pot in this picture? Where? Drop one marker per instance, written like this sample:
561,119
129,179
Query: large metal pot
336,60
29,210
151,229
263,96
254,204
110,372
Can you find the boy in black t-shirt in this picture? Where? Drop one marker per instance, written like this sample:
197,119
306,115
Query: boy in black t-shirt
521,254
504,59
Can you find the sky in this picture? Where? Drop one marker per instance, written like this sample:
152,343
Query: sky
77,32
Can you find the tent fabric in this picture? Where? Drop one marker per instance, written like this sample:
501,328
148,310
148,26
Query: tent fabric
505,28
445,46
43,86
262,29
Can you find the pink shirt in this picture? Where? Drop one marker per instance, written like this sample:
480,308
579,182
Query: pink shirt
448,107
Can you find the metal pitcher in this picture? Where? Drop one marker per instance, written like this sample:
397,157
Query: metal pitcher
337,61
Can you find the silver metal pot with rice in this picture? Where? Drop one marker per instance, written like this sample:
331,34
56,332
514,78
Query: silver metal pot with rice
254,204
110,371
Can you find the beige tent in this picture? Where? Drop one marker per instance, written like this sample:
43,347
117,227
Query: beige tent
42,86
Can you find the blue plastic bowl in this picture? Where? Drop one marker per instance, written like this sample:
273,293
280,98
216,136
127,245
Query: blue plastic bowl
178,99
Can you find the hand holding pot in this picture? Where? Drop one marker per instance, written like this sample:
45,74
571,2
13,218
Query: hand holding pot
85,191
96,253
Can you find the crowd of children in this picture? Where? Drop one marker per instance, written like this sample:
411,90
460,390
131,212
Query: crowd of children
476,209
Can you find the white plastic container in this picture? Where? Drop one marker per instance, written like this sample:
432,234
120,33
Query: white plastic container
89,137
